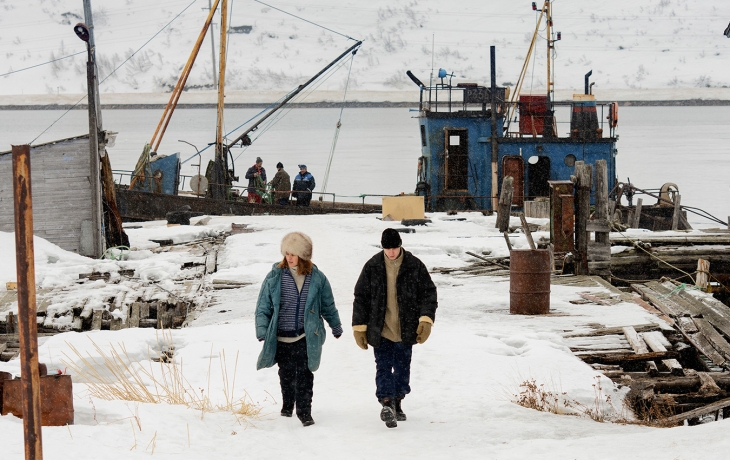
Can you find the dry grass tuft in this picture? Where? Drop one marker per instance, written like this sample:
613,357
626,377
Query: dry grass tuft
116,376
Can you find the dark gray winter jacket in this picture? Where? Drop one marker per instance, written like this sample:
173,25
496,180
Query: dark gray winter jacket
416,297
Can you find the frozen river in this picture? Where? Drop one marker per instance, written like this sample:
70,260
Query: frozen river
377,149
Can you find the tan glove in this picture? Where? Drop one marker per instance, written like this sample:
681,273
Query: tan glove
361,338
423,331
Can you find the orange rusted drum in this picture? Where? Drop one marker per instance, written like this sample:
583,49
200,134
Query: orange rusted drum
529,281
57,400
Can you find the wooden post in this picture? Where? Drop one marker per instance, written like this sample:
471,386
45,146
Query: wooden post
528,233
703,274
27,327
637,213
505,204
583,174
677,210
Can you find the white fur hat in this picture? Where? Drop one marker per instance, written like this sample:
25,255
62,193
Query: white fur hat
297,243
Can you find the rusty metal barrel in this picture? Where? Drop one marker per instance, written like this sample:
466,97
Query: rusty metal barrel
529,281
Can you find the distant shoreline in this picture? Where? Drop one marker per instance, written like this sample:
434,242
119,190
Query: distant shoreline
330,105
663,97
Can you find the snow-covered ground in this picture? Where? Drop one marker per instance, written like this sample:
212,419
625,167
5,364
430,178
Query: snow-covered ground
464,377
656,45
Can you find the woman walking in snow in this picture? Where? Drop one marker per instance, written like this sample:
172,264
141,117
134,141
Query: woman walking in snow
294,298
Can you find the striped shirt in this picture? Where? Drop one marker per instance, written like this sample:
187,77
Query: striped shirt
292,306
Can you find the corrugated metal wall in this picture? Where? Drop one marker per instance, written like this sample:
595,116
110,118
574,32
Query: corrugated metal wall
61,192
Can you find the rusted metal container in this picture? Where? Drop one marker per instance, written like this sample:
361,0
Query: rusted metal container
3,376
529,281
57,400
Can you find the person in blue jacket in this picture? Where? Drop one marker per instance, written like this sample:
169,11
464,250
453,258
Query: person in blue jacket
294,298
303,186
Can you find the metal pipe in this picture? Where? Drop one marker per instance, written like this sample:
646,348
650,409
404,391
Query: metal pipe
27,328
294,93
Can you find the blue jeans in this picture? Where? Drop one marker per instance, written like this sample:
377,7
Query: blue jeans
392,369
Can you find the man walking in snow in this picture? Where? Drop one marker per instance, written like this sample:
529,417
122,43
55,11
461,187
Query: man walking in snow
394,308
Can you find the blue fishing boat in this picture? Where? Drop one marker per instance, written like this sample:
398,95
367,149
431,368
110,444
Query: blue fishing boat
473,136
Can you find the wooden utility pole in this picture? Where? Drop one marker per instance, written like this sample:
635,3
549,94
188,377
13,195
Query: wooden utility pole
220,167
27,327
495,144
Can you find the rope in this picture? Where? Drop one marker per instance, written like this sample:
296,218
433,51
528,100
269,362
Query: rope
337,129
636,245
305,20
115,70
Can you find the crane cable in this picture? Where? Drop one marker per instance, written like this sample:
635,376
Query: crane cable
337,129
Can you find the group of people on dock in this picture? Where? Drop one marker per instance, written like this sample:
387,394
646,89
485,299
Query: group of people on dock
281,185
394,309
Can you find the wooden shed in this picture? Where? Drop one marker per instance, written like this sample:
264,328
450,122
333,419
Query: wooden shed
63,194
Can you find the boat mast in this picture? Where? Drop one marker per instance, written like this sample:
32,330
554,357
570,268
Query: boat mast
220,167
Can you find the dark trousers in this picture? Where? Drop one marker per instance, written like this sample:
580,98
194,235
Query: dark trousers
283,201
297,381
303,198
392,369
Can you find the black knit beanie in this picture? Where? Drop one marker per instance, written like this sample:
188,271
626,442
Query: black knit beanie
390,239
279,165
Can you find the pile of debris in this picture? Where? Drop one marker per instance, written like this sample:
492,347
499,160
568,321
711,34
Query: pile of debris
676,369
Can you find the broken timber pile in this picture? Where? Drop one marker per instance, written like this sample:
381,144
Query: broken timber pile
677,371
125,299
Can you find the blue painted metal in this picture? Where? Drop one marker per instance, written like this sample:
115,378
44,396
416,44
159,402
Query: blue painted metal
440,116
162,175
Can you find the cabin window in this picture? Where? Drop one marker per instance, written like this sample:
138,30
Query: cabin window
423,135
569,160
453,141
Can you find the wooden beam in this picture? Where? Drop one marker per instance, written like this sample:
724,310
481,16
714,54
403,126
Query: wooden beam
637,343
628,357
526,230
675,419
637,213
654,341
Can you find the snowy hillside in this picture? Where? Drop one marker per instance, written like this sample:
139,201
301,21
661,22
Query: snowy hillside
628,44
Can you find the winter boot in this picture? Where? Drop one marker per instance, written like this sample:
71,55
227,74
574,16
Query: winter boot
286,411
306,419
387,414
399,414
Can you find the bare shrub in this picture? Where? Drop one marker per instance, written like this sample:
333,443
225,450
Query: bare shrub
114,375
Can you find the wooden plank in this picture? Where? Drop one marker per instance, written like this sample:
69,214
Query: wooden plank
211,262
697,412
598,225
628,357
116,324
654,341
612,330
637,213
677,211
648,307
712,336
703,274
527,232
637,343
505,204
134,315
703,345
96,320
666,306
3,347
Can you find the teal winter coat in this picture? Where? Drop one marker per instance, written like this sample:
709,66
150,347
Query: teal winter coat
320,304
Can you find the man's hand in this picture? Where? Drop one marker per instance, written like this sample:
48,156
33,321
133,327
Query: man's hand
423,331
361,338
